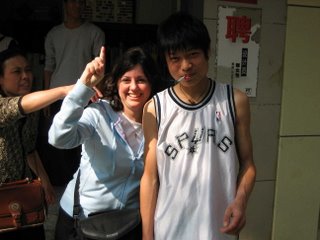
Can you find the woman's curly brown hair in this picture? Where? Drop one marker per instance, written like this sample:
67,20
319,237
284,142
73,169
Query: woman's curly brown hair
126,62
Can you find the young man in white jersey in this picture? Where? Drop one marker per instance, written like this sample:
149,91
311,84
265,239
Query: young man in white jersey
199,169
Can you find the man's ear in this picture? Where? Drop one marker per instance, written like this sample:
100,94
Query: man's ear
209,53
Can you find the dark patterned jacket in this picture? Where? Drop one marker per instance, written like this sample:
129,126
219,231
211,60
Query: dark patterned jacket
18,134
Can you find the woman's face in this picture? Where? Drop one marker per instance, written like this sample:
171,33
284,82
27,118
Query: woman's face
17,77
134,90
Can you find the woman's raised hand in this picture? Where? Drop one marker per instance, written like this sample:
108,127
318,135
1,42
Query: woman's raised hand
94,70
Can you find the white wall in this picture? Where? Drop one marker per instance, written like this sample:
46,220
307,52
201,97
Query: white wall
265,109
298,182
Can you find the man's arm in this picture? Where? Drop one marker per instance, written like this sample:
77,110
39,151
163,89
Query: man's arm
99,40
149,183
235,214
50,59
47,79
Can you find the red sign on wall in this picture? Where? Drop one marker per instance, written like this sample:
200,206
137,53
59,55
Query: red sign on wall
243,1
237,47
238,27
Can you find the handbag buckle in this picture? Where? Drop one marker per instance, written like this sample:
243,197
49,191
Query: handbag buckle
15,210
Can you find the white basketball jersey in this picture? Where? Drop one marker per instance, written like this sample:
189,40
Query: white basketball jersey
197,164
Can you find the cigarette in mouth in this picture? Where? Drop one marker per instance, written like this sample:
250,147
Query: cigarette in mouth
180,79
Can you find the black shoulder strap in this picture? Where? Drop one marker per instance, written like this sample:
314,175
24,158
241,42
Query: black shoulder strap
76,202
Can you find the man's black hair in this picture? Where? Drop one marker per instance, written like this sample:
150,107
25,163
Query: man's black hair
182,31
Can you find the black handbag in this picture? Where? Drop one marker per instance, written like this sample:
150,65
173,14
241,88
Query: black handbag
107,225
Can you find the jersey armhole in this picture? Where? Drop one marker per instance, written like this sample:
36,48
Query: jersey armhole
157,107
231,103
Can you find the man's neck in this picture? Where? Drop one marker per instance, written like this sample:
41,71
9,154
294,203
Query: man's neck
73,23
193,95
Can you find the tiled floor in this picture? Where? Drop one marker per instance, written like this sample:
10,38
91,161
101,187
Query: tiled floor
52,215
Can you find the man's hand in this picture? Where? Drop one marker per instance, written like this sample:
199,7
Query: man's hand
234,218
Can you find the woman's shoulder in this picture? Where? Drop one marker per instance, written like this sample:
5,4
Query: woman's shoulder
10,106
103,106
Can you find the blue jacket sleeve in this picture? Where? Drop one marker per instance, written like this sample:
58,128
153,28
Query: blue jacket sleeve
71,125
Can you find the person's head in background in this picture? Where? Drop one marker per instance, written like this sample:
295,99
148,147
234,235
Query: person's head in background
7,42
73,9
182,32
132,81
15,73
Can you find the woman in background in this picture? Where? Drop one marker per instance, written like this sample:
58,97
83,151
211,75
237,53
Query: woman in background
18,129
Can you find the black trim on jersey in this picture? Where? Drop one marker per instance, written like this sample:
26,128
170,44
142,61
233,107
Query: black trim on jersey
157,109
231,102
187,106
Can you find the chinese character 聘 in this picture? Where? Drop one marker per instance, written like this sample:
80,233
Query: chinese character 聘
238,26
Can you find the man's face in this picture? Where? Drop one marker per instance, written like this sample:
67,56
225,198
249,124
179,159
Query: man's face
74,8
191,64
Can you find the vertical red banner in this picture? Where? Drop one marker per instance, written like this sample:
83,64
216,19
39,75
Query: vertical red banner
243,1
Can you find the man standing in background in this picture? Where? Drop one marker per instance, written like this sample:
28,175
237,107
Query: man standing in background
68,48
